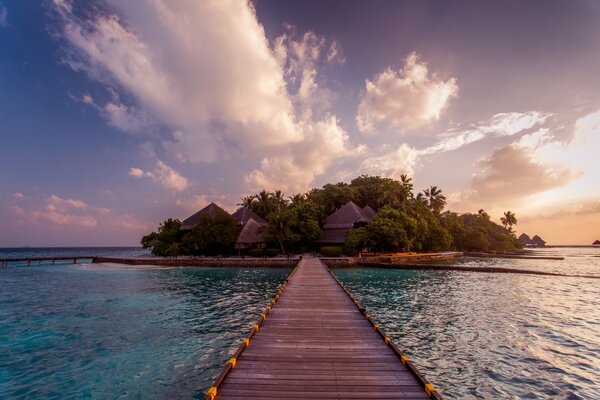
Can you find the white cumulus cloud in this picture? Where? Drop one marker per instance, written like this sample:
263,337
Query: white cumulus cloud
206,72
404,99
391,163
162,174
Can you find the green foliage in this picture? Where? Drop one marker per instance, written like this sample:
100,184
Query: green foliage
476,232
162,242
389,230
331,251
305,221
508,220
255,252
402,222
377,192
349,251
392,230
212,236
331,197
279,228
271,252
434,198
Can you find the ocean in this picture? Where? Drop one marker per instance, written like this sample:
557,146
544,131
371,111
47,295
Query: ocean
92,331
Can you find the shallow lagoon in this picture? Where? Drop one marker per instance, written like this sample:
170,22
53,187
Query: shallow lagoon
89,331
482,335
72,331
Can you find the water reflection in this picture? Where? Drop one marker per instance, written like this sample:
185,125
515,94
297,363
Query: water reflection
479,335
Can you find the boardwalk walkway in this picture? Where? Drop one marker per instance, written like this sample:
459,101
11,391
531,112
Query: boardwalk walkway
315,343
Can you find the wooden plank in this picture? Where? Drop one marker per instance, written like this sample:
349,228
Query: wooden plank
315,343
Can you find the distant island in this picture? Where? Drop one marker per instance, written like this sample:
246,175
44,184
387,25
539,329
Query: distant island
370,214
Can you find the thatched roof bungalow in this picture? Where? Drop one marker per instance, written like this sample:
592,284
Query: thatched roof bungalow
525,239
244,214
538,241
211,211
341,221
252,233
596,243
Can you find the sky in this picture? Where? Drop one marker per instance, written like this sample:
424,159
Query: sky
115,114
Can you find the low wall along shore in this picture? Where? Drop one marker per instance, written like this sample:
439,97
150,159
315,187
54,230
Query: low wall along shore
201,262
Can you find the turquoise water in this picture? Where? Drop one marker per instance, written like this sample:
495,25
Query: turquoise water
83,331
94,331
492,336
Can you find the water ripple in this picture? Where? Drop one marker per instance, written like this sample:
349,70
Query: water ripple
67,332
490,335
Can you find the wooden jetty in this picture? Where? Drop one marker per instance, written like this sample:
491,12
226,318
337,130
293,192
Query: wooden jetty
39,260
315,341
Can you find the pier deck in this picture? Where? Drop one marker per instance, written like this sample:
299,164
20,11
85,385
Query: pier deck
316,343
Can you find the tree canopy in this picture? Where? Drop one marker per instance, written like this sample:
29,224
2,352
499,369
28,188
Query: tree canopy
402,221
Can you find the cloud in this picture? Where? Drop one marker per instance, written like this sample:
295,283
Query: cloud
72,215
216,81
123,117
136,172
18,195
503,124
19,211
3,15
57,201
514,172
197,202
299,57
66,211
294,169
401,160
536,167
206,73
164,175
405,99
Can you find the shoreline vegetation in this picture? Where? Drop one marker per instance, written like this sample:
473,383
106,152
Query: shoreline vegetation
401,221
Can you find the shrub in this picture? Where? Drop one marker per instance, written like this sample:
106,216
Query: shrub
331,251
350,251
271,252
255,252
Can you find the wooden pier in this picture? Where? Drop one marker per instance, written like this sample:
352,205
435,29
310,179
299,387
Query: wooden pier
315,341
39,260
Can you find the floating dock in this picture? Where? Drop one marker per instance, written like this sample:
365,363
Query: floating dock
315,341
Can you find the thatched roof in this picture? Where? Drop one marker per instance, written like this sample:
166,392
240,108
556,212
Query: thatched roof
211,211
347,216
368,211
538,240
244,214
525,239
596,243
340,222
251,233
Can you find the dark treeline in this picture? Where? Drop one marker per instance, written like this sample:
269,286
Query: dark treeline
404,221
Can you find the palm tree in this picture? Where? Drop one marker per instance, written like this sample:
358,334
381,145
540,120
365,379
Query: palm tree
407,186
247,201
297,198
435,199
278,199
482,214
509,220
263,204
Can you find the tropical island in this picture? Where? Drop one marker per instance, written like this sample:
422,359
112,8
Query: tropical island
369,214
